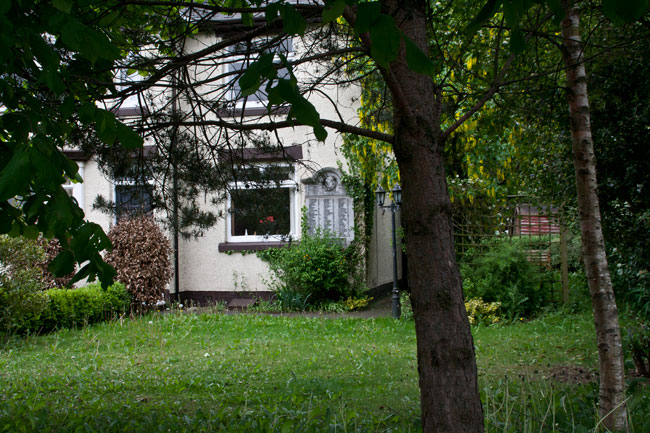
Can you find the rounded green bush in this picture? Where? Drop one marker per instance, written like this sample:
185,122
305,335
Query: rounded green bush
316,269
504,274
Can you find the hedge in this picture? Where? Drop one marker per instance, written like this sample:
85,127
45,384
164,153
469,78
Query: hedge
67,308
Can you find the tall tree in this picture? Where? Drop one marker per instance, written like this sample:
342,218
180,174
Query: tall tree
610,349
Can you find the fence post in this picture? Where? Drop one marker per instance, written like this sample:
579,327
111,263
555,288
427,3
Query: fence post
564,257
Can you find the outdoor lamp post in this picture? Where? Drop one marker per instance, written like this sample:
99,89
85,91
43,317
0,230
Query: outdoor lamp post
395,204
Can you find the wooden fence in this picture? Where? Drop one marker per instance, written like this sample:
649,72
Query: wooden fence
537,226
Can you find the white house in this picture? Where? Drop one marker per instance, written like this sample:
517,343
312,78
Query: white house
217,266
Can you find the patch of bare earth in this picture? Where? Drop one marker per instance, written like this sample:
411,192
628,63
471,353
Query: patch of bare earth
571,374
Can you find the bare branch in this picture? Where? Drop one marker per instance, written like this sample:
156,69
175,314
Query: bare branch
271,126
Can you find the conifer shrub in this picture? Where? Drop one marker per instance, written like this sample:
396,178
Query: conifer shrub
140,256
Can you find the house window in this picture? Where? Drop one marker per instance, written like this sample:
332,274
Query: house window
76,190
129,106
132,198
246,53
262,204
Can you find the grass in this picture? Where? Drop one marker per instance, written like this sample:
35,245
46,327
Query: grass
215,372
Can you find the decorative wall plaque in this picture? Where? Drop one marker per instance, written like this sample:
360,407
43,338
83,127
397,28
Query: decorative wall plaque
328,205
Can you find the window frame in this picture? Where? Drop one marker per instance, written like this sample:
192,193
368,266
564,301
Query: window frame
289,183
76,190
131,182
131,105
245,104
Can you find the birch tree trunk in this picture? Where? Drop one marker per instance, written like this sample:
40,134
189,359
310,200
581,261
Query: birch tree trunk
610,352
449,393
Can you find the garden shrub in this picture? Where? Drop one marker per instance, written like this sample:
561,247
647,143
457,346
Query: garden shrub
354,303
67,308
311,272
481,312
21,283
631,280
140,256
638,343
478,311
502,273
290,300
406,307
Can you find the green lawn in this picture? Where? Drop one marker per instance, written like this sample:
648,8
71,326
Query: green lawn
215,372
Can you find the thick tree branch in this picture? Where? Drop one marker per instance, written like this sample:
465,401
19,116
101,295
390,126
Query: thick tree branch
272,126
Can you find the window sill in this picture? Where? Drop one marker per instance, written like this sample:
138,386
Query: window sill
249,246
252,111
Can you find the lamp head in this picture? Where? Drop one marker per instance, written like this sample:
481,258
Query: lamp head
381,196
397,194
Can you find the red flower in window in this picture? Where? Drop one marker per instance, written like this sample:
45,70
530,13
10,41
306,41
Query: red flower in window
267,220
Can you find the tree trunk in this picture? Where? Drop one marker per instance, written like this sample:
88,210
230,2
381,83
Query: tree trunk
610,352
450,398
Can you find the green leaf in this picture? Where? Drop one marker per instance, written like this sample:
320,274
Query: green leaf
558,10
60,213
5,6
6,222
333,10
87,113
107,273
267,67
105,126
486,12
386,39
367,13
45,54
67,106
32,207
272,12
63,264
247,19
30,232
512,13
63,5
70,168
320,133
275,97
45,170
84,272
54,81
15,174
292,22
128,137
250,79
90,43
624,11
301,110
417,60
517,40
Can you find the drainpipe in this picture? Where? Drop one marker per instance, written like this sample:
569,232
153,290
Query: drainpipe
175,187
